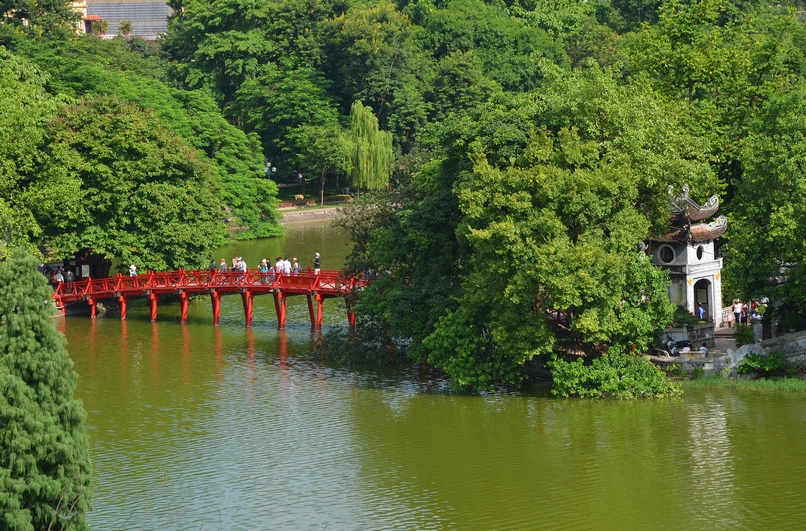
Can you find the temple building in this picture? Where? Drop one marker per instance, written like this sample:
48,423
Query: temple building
687,251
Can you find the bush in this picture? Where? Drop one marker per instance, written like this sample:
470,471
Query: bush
683,318
743,335
773,365
613,375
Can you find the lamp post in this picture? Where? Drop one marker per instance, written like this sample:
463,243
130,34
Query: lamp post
270,170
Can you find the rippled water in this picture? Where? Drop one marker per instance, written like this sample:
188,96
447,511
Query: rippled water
198,427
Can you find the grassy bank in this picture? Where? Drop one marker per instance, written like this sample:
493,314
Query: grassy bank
777,384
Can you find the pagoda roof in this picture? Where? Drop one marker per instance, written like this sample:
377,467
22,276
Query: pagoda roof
684,208
696,233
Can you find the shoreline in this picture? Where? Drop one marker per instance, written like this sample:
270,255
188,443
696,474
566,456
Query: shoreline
299,215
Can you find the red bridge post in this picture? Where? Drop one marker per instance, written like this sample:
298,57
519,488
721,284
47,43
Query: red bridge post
152,304
93,307
310,310
122,303
215,298
247,296
350,313
279,306
319,303
183,306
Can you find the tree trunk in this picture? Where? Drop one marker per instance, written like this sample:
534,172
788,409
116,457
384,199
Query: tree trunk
322,187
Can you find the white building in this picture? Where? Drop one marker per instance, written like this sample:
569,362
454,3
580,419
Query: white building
687,252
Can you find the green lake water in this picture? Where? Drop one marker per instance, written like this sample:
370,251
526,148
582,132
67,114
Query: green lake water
202,427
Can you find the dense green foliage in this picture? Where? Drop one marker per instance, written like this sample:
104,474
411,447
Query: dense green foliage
613,375
743,334
117,181
62,145
534,142
45,472
774,364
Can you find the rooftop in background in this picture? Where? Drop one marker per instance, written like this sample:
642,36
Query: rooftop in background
149,18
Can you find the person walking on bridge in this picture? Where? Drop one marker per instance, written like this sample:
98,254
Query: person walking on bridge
132,270
222,267
317,264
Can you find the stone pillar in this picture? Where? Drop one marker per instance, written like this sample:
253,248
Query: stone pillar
758,331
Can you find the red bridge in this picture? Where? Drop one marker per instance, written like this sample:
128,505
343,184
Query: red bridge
327,284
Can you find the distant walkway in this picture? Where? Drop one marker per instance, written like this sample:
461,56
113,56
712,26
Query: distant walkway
299,214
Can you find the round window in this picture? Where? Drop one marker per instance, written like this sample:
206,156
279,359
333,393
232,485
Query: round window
666,254
699,252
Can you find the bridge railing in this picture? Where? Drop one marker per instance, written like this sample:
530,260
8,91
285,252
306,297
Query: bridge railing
326,280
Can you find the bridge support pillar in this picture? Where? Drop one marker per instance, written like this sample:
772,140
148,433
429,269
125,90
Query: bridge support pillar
122,302
215,298
310,311
93,307
247,298
350,313
152,304
319,302
279,306
183,306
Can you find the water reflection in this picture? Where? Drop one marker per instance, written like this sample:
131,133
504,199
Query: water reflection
712,489
197,427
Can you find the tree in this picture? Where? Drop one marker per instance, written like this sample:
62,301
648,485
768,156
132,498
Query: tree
100,27
765,254
53,18
125,27
25,108
533,207
95,66
322,148
45,471
369,155
118,181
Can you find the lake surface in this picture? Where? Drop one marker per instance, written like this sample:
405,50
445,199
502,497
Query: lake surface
202,427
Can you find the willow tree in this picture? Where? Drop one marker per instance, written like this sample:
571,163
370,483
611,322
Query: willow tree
369,155
45,472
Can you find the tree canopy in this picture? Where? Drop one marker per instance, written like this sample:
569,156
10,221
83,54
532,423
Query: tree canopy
45,472
496,132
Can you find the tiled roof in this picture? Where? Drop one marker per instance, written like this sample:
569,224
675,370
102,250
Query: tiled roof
148,19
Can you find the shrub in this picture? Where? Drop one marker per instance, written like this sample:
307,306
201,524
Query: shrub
613,375
773,365
683,318
743,335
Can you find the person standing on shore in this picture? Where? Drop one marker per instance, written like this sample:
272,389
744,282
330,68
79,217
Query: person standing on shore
737,311
317,264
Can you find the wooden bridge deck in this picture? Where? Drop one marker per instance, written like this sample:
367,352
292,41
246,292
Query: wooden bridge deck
318,287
